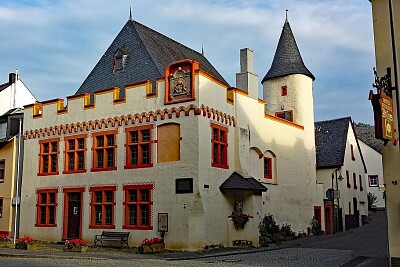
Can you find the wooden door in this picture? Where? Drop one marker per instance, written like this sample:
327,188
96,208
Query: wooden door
74,215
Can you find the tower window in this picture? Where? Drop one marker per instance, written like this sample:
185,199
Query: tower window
119,58
284,90
286,115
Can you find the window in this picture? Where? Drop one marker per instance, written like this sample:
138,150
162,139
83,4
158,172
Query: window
3,130
139,147
1,207
48,157
355,180
184,186
102,207
2,170
284,90
352,152
138,205
168,142
348,179
286,115
119,60
373,180
360,182
267,168
104,151
75,150
219,141
46,208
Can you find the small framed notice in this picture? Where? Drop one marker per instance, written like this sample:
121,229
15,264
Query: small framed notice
163,222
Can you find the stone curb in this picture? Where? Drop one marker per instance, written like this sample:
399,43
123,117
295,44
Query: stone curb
40,256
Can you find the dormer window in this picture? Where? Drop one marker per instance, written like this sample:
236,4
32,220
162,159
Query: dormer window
119,60
286,115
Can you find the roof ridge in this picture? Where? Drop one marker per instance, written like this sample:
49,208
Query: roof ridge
338,119
164,36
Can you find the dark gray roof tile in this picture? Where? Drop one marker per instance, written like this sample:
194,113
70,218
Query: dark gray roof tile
148,53
239,183
287,59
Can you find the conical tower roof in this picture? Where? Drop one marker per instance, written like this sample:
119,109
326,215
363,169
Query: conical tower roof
287,59
148,53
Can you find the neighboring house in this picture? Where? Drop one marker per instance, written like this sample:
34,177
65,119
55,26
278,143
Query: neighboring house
155,139
9,174
339,156
371,149
14,94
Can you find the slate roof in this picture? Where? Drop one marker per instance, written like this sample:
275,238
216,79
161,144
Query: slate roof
148,53
239,183
287,59
4,86
366,133
330,142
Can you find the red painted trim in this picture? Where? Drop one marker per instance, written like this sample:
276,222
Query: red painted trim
284,121
283,113
269,165
318,218
103,148
128,144
49,154
138,202
283,90
39,204
75,151
222,145
93,203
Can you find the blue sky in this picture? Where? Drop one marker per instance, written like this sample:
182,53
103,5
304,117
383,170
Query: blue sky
54,44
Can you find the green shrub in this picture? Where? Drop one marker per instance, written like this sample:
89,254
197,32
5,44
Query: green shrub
287,232
268,230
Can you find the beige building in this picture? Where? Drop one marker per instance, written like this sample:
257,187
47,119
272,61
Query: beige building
155,139
386,18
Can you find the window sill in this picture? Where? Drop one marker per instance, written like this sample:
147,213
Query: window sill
137,227
138,166
267,177
219,166
101,226
45,225
78,171
103,169
47,173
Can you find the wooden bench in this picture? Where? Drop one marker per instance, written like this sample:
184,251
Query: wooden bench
112,236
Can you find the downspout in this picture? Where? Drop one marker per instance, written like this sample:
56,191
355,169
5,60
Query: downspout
17,197
394,66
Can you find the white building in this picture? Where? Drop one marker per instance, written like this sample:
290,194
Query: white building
156,131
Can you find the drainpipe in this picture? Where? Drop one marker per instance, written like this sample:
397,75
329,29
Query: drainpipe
17,197
394,66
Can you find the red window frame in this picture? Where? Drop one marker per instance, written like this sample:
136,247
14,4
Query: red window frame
45,203
377,180
283,90
138,139
352,152
98,199
1,207
48,156
267,168
102,149
2,170
355,180
73,152
219,146
138,203
285,115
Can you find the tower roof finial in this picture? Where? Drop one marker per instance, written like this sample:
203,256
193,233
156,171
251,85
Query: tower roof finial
130,13
286,13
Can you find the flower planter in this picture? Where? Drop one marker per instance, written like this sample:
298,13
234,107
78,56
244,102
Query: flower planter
25,246
151,248
82,249
5,244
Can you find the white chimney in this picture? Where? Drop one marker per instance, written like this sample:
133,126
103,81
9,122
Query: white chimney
246,80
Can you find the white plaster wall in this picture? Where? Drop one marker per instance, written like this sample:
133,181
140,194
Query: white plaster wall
373,160
293,195
22,97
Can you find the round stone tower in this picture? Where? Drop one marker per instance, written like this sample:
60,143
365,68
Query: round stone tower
287,86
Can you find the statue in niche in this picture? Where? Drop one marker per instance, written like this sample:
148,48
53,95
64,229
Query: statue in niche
239,206
180,84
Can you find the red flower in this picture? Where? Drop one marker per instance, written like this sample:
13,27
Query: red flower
75,243
25,239
154,240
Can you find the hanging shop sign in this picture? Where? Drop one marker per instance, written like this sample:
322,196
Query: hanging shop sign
382,104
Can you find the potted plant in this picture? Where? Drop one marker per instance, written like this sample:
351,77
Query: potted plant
153,245
239,220
25,242
5,241
75,245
